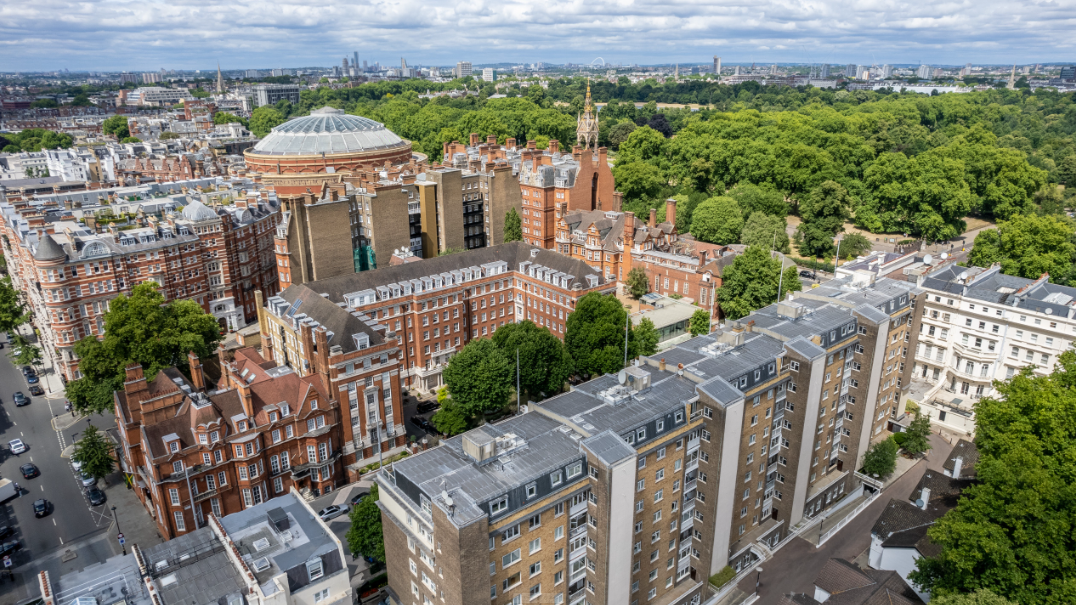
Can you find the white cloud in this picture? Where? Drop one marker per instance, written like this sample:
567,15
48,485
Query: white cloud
190,34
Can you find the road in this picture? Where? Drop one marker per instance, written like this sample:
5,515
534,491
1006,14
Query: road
795,567
73,525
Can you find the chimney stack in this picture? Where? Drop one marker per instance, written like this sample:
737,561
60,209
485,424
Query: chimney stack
924,496
618,201
958,463
653,218
474,139
670,212
554,146
661,364
197,377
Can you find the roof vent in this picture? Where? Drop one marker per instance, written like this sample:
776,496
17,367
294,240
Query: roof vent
278,519
261,564
534,252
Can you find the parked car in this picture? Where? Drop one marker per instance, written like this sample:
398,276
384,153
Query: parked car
356,500
27,370
75,464
808,274
6,530
96,496
423,424
87,479
17,446
427,406
36,390
331,512
20,399
41,508
9,547
29,470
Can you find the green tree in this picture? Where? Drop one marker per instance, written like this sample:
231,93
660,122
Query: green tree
366,537
751,282
130,140
854,245
544,363
116,125
595,335
1011,531
12,313
140,328
718,220
479,377
1028,246
168,136
759,198
95,452
264,119
646,337
638,181
23,353
637,282
881,458
979,597
700,322
513,226
223,117
824,212
1066,171
918,435
451,419
620,133
769,232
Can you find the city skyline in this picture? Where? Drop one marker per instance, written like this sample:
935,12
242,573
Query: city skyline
135,37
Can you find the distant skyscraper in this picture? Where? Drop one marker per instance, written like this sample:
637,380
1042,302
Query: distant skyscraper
850,71
887,70
737,70
717,65
923,73
773,69
355,60
463,69
825,71
488,75
343,68
862,72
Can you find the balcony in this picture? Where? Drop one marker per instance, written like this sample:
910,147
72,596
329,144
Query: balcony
413,208
693,444
970,352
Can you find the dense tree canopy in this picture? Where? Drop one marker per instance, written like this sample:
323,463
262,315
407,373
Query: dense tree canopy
116,125
479,377
544,363
1028,246
718,220
513,226
366,537
1013,530
34,139
595,335
765,230
823,211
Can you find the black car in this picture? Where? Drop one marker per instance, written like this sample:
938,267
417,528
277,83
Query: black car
20,399
807,274
41,508
9,547
36,390
422,423
27,371
6,530
95,496
29,471
426,406
356,500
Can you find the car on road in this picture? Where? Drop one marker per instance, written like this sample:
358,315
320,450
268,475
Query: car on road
95,496
75,464
423,424
6,530
27,370
36,390
32,378
808,274
17,446
331,512
356,500
426,406
42,507
9,547
29,470
87,479
20,399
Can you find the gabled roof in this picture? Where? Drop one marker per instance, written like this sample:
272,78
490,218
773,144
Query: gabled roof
850,585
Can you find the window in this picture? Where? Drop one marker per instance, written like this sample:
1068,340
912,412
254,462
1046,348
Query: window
315,569
534,521
509,533
321,595
556,478
181,525
535,545
574,470
509,559
536,568
498,506
532,490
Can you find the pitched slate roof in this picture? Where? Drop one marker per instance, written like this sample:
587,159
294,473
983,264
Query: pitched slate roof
850,585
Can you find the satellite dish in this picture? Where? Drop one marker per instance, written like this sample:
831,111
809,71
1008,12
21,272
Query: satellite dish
920,503
963,275
944,255
622,377
928,259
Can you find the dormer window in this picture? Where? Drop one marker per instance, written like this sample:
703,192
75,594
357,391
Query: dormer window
315,569
313,404
272,416
214,436
173,446
242,425
203,438
284,410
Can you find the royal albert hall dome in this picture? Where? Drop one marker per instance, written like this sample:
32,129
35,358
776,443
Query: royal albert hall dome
327,138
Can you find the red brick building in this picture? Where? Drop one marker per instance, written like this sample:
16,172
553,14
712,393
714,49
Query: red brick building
582,181
195,451
435,306
217,257
358,358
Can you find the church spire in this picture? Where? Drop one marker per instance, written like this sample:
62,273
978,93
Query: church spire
220,80
586,128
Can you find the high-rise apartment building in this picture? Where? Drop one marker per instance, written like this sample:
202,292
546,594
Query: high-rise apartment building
923,73
717,66
636,488
151,77
851,70
825,71
488,75
463,69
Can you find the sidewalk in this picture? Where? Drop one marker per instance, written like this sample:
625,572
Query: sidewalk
50,379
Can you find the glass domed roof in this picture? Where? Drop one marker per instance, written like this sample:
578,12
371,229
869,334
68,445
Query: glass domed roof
328,131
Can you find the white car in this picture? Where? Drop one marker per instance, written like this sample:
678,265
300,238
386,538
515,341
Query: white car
17,446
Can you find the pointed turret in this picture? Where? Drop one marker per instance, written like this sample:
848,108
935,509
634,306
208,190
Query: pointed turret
220,81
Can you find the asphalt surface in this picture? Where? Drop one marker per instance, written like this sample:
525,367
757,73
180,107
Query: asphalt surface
796,565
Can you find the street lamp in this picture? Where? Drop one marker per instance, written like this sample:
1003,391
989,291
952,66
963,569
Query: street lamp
758,577
380,454
118,530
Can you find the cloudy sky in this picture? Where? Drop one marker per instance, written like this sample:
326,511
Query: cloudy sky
195,34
